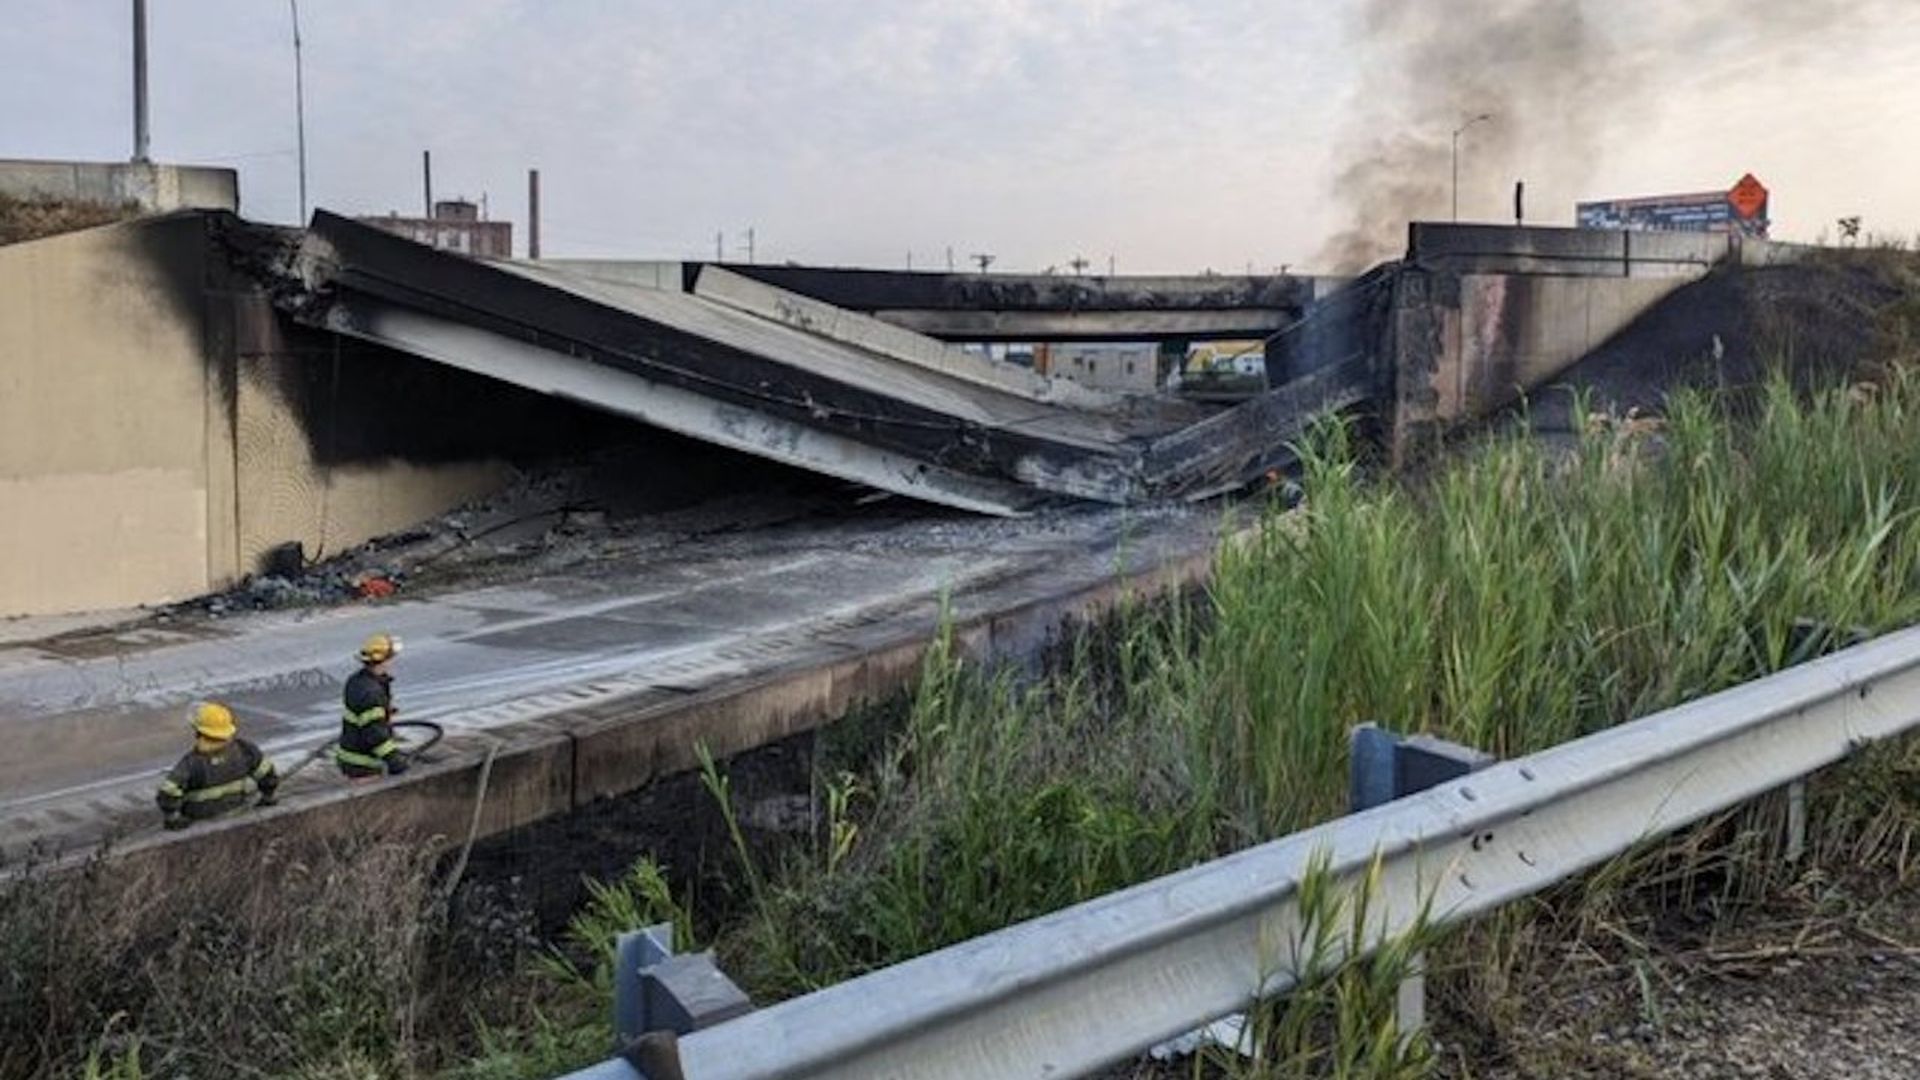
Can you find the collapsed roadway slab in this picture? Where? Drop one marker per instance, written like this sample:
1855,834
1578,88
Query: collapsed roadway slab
781,376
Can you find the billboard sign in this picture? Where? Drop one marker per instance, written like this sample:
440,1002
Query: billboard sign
1742,209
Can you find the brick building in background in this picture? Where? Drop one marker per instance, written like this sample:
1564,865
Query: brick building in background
456,225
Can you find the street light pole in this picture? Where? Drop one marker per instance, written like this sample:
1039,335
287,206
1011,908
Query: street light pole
140,80
1456,159
300,109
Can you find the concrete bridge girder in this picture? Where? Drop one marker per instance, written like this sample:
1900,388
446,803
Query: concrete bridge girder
1054,307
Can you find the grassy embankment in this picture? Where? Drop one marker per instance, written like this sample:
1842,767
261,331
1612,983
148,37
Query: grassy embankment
1513,598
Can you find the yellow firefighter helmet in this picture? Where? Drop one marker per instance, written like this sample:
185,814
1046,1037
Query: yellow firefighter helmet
379,648
212,720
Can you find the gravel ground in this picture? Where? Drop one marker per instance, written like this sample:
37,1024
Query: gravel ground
1824,981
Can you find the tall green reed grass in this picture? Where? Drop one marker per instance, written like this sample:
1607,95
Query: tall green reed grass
1520,595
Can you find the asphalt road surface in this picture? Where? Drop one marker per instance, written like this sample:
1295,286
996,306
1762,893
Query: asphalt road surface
92,719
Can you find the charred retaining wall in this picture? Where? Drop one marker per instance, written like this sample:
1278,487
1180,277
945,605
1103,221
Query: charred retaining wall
522,774
162,426
1484,314
1477,316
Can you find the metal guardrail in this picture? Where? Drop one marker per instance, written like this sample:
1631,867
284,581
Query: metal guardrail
1096,983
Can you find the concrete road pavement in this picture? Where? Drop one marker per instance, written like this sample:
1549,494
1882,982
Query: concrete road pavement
93,718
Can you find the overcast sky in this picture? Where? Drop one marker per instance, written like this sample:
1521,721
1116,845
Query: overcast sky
1171,136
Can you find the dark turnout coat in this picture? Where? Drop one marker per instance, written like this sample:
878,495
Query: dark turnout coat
367,746
207,783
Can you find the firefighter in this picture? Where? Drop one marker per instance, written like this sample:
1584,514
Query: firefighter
367,746
220,773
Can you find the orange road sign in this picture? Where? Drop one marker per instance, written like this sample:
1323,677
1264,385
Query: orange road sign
1748,197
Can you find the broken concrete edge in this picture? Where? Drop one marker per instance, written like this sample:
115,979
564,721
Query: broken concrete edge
730,373
528,366
518,774
863,331
869,290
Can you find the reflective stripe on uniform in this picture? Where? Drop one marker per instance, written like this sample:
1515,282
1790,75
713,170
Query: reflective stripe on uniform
375,760
264,769
364,716
169,788
221,791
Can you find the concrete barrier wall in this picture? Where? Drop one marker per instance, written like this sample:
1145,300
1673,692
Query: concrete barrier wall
1582,252
148,451
151,186
1585,252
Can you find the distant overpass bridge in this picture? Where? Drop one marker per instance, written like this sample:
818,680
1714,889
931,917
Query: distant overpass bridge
1056,307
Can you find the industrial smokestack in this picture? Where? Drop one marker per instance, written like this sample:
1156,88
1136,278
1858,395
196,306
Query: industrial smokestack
140,80
426,178
533,213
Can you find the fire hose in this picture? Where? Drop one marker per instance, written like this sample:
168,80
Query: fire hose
434,733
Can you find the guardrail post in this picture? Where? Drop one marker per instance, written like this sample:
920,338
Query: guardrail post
634,952
1808,639
659,995
686,993
1370,767
1383,767
1796,820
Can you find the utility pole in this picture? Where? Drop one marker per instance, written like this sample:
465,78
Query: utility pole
1456,159
1109,266
426,180
983,260
1079,264
533,213
719,246
749,245
299,108
140,80
949,258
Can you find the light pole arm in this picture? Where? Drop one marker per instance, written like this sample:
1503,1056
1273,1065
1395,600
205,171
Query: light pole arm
1455,158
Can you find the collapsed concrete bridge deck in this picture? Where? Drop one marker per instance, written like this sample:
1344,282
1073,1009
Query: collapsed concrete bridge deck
749,366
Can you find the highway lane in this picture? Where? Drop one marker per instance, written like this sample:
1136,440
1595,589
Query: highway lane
102,714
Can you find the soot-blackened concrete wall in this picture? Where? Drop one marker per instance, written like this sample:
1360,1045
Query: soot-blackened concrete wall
161,426
1466,344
